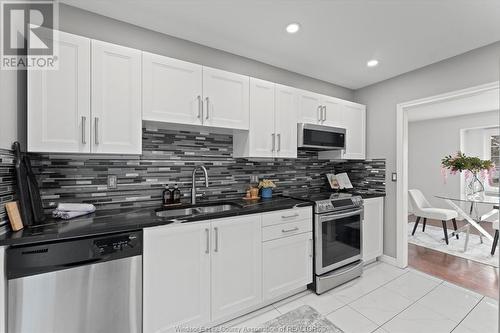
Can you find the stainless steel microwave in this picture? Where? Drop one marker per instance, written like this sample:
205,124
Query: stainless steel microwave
320,137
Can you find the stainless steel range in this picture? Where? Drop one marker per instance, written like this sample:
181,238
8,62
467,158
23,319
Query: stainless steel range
337,238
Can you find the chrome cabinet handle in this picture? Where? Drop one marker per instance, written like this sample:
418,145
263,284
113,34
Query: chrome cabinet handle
207,231
216,230
324,112
208,101
289,216
96,130
310,247
274,141
279,141
200,107
84,135
320,113
290,230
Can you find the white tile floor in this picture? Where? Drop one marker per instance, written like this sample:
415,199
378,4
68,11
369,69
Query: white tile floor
387,299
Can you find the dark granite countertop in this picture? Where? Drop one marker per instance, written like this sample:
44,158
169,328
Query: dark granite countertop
120,220
371,195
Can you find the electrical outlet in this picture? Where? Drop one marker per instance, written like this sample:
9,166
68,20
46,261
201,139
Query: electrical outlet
111,181
394,177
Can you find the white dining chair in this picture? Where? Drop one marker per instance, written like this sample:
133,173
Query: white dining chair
423,209
495,238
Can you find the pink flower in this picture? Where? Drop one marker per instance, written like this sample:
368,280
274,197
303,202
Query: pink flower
467,174
491,172
444,174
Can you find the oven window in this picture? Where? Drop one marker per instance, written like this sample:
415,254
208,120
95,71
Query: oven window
323,138
341,239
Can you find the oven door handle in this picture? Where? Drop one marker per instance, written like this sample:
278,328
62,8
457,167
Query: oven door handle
334,216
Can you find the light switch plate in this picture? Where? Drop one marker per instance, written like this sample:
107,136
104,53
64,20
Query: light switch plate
394,177
112,181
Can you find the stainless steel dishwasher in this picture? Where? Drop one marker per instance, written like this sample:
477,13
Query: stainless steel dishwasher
81,285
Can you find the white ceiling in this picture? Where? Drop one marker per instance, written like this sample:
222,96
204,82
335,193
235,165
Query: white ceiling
337,36
480,102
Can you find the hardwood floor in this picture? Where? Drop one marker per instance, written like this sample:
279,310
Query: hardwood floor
469,274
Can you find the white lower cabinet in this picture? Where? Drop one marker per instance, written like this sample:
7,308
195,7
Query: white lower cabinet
205,273
287,264
176,275
236,265
373,229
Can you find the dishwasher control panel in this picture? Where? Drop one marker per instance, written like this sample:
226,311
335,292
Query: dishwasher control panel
71,253
115,244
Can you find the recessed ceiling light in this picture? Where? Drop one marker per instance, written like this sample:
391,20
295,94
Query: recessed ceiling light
372,63
292,28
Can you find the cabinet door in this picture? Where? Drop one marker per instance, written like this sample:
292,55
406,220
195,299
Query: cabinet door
236,265
176,275
226,98
354,119
116,99
171,90
286,115
373,228
332,112
262,137
309,107
287,264
59,100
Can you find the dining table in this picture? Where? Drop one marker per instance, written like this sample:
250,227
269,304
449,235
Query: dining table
468,208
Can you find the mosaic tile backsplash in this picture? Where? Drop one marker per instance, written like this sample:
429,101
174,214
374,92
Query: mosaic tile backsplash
168,158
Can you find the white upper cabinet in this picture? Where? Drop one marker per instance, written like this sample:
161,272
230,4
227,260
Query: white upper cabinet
331,111
273,122
59,100
176,277
310,110
354,120
261,135
286,113
225,99
236,265
171,90
116,99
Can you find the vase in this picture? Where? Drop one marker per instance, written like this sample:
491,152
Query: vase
266,193
473,186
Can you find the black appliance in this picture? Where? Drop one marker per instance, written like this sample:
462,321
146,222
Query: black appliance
28,193
320,137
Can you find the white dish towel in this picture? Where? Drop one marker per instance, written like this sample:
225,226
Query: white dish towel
68,211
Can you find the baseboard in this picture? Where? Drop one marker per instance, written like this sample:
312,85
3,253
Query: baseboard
388,260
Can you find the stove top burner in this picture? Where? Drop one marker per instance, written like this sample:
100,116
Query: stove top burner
329,201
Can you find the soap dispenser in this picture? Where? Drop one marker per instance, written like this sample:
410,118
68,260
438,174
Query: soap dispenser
176,195
167,196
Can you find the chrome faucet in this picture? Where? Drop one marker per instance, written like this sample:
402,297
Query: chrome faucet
193,188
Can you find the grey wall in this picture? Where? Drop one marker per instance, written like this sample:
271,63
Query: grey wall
84,23
466,70
429,141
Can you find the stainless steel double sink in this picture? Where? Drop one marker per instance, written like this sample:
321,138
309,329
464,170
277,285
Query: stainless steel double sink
202,209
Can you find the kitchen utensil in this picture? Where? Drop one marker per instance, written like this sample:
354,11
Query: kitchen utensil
22,188
12,209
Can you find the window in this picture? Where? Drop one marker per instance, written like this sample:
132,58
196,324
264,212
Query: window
495,157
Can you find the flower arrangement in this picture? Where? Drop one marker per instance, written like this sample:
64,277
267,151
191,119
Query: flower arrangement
471,165
266,186
266,183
